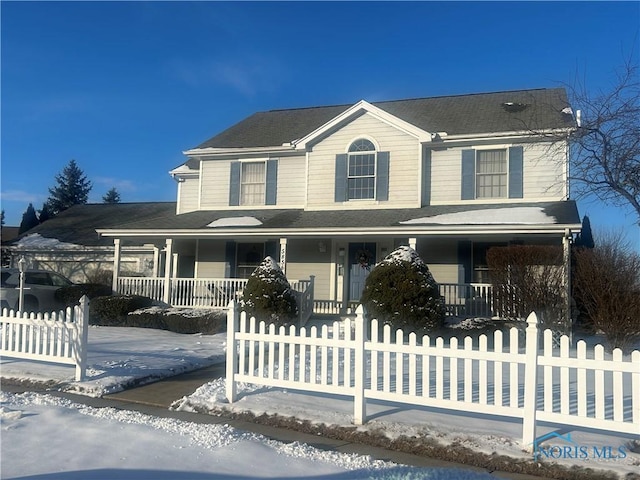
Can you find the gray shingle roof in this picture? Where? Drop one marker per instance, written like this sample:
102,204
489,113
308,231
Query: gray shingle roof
78,224
564,213
456,115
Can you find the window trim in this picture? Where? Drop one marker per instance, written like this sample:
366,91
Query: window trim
515,166
374,177
242,183
504,174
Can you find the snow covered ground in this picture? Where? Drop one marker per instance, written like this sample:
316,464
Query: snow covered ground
139,446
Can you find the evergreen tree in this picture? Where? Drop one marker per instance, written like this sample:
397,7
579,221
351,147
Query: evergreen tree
29,219
2,219
585,237
112,196
72,189
45,214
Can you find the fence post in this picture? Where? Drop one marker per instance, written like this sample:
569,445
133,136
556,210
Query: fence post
530,382
82,342
232,355
359,401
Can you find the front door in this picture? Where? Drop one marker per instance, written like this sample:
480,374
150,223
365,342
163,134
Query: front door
362,258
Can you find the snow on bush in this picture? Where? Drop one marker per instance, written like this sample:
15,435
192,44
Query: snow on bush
400,291
268,295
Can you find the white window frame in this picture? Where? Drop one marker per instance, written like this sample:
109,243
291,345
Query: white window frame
505,174
352,155
244,183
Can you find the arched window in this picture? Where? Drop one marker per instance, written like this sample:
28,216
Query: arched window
361,170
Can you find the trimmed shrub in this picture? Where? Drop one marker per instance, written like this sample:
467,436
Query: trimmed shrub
400,291
179,320
113,310
72,294
101,276
268,296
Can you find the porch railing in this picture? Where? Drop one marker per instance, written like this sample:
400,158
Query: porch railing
208,292
469,299
475,299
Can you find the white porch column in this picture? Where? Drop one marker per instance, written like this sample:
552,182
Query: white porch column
283,255
413,242
167,270
566,248
116,264
156,261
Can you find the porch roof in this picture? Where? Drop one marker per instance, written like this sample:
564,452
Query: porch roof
546,217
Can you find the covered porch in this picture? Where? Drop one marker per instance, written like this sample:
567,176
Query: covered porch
202,259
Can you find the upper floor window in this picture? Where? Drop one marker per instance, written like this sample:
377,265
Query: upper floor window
361,177
362,173
252,183
491,174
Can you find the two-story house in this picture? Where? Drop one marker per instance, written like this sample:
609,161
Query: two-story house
329,191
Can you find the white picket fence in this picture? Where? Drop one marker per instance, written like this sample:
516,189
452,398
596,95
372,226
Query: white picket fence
57,337
494,375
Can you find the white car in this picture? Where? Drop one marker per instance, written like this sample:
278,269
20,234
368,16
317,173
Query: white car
39,290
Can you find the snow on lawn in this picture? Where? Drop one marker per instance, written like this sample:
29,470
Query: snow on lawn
120,357
65,440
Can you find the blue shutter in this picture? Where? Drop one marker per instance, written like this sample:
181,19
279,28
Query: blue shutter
464,260
234,184
426,177
230,259
516,189
468,175
382,176
272,182
341,178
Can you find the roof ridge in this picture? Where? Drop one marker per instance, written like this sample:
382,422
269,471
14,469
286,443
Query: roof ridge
474,94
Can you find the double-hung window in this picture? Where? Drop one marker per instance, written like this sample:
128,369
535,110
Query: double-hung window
491,174
361,171
252,183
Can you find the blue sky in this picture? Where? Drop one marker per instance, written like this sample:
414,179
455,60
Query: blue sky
124,87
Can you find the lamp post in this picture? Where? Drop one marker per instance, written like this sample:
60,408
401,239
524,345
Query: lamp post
22,266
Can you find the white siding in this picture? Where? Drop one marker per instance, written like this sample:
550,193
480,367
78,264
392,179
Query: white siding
542,173
305,259
403,164
189,192
291,182
215,184
210,261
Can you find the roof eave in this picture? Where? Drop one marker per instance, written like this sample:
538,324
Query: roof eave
197,152
512,229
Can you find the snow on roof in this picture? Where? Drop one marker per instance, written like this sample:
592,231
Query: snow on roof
35,240
235,222
489,216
